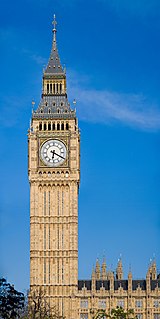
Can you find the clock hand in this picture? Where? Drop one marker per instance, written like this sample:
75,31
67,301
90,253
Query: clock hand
59,155
53,152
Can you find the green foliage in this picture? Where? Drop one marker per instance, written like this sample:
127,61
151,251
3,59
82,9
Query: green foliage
11,301
117,313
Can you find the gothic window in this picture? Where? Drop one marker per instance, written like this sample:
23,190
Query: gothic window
47,88
40,126
41,110
57,87
139,315
58,126
84,303
46,103
139,303
45,126
102,304
54,88
53,126
83,315
49,126
67,126
49,111
50,87
156,303
57,110
62,126
120,303
60,88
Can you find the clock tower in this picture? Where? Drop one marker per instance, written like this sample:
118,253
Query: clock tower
54,174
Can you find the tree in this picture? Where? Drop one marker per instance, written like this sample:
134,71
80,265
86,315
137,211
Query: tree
37,307
117,313
11,301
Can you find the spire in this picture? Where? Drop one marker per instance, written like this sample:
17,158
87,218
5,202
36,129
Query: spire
54,22
54,65
54,102
119,270
103,271
98,271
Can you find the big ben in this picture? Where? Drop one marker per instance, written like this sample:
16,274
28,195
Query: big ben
54,175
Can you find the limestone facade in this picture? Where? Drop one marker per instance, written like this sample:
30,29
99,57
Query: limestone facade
54,215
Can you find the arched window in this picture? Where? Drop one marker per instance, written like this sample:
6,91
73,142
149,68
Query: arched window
53,126
57,87
49,126
60,88
62,126
49,111
67,126
41,110
45,126
54,88
40,126
58,111
47,88
50,87
58,126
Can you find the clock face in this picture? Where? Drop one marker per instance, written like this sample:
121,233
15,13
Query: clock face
53,153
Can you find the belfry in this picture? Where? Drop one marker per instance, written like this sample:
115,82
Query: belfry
54,177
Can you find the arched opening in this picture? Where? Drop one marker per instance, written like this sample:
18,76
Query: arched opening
62,126
40,126
67,126
45,126
47,88
53,126
58,126
49,126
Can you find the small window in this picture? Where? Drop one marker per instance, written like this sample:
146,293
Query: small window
58,111
139,303
120,303
67,126
156,303
40,126
46,103
49,126
58,127
41,110
62,126
45,126
47,88
84,303
51,88
60,88
49,111
53,126
83,315
102,304
54,88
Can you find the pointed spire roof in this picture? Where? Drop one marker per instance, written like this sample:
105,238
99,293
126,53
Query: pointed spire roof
54,65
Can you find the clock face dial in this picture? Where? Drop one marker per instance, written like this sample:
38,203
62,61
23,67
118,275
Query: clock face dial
53,153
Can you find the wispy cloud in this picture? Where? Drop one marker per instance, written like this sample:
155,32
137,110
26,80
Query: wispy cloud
107,107
138,7
35,57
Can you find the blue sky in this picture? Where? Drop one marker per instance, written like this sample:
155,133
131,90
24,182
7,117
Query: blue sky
111,50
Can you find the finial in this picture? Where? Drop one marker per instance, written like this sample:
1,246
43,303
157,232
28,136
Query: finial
54,22
33,103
